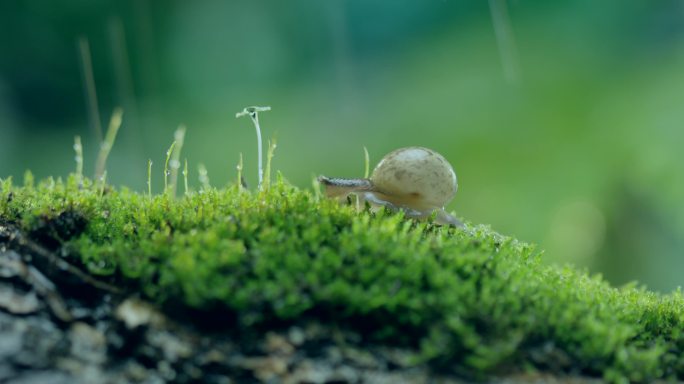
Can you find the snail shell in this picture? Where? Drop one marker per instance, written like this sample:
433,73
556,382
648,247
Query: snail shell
414,179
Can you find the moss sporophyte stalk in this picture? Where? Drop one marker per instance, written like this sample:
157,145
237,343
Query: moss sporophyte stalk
465,299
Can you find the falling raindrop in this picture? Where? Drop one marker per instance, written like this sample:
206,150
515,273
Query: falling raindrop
505,41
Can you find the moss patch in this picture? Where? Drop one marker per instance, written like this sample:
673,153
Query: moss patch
468,301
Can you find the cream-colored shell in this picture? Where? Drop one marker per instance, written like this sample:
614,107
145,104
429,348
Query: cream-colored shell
415,177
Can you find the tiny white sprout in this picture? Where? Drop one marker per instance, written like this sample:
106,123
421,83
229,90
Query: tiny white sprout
253,113
416,180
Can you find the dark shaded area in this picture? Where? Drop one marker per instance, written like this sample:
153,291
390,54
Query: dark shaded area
52,232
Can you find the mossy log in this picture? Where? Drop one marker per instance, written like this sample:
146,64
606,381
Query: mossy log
221,285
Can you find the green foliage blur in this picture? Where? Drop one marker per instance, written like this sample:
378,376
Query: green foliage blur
563,120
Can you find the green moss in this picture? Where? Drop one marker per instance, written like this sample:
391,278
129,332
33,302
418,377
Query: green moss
468,300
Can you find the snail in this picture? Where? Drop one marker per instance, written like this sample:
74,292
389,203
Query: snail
416,180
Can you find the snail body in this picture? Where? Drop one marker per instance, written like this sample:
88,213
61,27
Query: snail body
416,180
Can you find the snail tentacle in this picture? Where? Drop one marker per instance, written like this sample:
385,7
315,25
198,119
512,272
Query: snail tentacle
340,187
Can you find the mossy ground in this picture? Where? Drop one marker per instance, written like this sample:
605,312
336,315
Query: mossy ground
467,301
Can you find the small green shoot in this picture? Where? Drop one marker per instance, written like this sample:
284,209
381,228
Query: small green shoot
103,182
29,180
366,174
239,173
316,185
269,158
78,148
106,145
174,163
366,157
203,177
185,176
167,172
149,178
253,113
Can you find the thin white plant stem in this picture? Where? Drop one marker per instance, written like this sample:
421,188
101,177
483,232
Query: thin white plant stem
108,142
253,113
255,120
149,178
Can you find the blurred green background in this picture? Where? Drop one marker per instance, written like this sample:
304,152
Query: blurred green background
564,120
